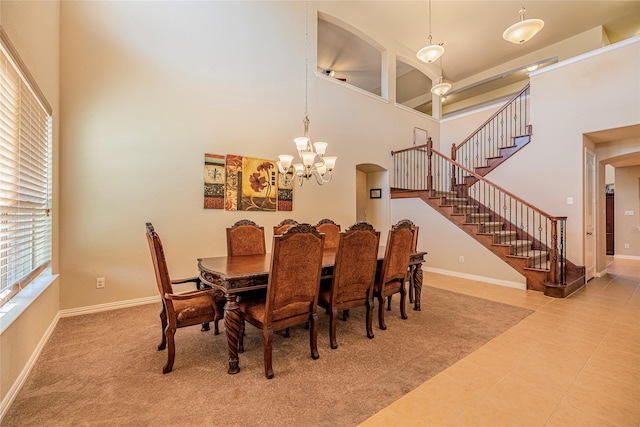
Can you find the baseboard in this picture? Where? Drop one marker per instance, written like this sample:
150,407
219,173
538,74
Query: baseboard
17,385
490,280
632,257
108,306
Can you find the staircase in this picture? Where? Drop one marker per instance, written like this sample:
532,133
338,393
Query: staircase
525,237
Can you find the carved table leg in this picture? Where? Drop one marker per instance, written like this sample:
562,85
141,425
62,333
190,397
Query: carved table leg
417,284
233,327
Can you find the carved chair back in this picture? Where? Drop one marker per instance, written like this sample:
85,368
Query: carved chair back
245,237
353,275
283,226
331,232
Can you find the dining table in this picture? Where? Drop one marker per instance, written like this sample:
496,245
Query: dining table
236,276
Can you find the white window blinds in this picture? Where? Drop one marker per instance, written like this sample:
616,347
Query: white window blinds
25,175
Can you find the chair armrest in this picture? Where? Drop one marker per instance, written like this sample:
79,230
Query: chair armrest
187,295
195,280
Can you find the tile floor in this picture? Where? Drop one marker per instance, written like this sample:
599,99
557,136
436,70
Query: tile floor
573,362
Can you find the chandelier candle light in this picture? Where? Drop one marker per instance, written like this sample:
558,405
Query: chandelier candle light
523,30
308,167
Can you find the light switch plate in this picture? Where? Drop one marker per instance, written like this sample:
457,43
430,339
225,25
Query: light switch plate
629,213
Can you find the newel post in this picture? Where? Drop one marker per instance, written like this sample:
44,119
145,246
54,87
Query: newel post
553,252
429,157
453,167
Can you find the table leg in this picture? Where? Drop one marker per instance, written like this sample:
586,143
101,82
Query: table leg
233,326
417,284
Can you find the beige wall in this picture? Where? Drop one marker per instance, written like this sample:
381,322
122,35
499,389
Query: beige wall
627,200
144,99
33,28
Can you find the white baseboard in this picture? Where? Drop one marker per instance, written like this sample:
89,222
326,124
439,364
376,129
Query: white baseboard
633,257
17,385
108,306
491,280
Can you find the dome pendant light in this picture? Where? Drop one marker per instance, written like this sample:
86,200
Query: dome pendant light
523,30
440,88
431,52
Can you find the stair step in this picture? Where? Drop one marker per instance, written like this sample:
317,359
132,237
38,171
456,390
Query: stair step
520,246
455,201
504,236
440,193
535,258
491,227
479,217
466,208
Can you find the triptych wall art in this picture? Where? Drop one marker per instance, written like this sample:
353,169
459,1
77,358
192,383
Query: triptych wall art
239,183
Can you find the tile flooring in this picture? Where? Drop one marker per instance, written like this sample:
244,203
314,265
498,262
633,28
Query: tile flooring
573,362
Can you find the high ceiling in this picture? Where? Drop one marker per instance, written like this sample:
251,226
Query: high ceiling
470,30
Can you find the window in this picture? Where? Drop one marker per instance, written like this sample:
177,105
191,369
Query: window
25,175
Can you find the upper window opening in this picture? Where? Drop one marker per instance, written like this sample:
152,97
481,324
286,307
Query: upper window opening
413,88
345,56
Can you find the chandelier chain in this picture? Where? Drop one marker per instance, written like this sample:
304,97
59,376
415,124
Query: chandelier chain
306,58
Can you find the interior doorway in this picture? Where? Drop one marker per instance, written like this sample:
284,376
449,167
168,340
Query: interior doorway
372,196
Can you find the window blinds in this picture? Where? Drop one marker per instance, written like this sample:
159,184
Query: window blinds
25,175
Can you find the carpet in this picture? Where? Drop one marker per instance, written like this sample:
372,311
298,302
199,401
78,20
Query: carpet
103,369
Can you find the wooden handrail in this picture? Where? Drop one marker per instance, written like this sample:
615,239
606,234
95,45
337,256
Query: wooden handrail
480,178
504,107
410,148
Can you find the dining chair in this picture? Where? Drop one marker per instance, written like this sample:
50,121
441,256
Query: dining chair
331,232
284,225
414,249
180,309
395,267
354,275
292,289
245,237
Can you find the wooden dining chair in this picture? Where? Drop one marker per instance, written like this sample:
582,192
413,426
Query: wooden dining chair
414,249
354,275
292,289
395,267
183,309
331,232
245,237
283,226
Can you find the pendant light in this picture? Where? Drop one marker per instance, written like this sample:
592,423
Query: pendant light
523,30
431,52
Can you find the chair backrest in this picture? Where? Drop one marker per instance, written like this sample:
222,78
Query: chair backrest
415,232
331,232
397,254
245,237
294,277
163,280
283,226
356,260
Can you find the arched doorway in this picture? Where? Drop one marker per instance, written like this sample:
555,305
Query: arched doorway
372,196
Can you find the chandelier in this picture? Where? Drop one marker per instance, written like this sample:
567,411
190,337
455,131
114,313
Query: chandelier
441,87
431,52
321,169
523,30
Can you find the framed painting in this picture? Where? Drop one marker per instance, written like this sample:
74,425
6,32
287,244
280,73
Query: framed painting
214,181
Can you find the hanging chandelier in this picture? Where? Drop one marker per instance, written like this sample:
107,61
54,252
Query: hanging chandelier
523,30
431,52
308,167
441,87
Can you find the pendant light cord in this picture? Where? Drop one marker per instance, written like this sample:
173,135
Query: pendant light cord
306,58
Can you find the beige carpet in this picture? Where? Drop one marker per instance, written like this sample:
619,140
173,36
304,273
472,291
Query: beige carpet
104,369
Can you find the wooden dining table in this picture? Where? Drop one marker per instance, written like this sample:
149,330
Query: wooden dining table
238,275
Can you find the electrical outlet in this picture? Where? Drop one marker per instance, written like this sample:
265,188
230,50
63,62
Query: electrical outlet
100,282
626,246
461,259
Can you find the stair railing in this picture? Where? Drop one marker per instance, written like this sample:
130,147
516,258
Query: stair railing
499,131
523,226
